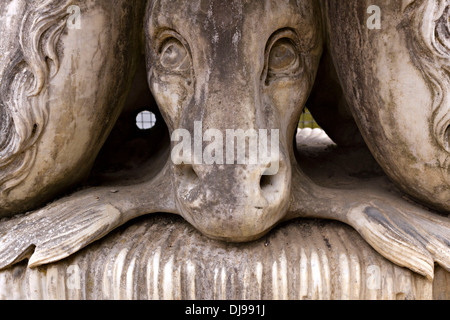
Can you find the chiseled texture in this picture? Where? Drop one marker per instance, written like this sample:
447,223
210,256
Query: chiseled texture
163,257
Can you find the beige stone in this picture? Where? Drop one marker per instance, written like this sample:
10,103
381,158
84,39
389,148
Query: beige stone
73,79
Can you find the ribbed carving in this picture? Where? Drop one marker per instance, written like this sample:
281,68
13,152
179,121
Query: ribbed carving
162,257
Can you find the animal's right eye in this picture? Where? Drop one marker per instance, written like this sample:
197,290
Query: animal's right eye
283,57
174,56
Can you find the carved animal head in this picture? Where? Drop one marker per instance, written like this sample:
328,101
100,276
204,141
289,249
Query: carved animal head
215,67
222,73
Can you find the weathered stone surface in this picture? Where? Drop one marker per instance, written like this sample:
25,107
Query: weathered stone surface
396,82
62,90
165,258
72,73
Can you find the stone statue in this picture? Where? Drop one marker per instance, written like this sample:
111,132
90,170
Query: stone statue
396,82
73,77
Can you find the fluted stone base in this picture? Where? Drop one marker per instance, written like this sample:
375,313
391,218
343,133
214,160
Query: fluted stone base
163,257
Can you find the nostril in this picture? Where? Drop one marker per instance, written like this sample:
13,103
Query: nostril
266,182
273,187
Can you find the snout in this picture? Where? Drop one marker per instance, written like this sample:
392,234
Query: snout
234,202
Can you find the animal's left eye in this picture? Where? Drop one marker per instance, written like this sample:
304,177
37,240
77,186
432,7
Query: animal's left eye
174,56
284,59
